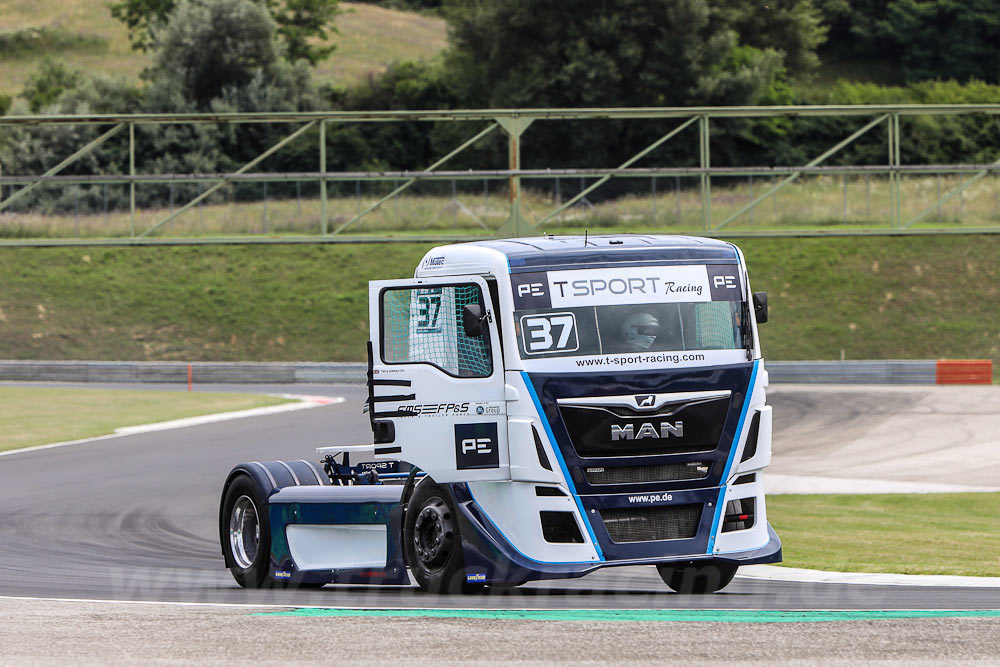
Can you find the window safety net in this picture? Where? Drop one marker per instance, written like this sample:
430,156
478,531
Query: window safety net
425,326
715,325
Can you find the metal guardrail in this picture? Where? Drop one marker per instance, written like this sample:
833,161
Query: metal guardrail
781,372
514,123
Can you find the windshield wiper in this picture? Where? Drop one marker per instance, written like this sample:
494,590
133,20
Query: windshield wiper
746,329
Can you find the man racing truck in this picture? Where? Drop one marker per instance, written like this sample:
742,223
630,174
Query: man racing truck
540,408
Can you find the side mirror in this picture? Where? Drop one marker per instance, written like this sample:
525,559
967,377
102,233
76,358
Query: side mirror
472,320
760,306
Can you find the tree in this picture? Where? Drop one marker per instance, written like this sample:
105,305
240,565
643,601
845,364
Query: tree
299,21
209,45
608,53
791,27
945,39
45,85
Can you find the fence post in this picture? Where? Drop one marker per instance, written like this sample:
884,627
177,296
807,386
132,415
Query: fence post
706,180
516,224
131,173
322,178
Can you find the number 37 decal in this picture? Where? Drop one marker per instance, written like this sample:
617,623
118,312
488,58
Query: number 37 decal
553,332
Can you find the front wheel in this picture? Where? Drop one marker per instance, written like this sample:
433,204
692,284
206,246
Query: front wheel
433,542
709,577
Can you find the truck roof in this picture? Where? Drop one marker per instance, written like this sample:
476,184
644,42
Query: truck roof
533,253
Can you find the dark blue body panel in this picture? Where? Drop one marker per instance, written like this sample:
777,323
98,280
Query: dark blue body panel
553,253
707,491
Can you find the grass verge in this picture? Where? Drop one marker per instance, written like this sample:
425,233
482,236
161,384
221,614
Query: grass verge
945,533
31,416
860,298
818,204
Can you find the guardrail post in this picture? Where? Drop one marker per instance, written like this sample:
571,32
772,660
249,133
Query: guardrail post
516,224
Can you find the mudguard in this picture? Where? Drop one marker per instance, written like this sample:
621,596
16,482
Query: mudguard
343,534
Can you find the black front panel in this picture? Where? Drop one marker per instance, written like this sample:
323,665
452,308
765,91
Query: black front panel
597,432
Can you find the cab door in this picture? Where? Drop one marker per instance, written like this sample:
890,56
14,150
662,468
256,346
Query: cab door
436,391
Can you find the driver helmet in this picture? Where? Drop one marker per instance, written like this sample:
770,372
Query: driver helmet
640,330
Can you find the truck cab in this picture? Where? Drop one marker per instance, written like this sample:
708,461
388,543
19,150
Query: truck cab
559,405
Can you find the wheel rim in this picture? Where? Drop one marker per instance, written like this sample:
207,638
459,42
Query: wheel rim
244,532
432,535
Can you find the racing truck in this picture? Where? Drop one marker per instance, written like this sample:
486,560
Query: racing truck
540,408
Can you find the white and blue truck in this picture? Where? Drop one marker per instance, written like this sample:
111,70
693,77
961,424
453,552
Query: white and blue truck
540,408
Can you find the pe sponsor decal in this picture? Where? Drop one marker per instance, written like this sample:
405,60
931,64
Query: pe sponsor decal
531,290
724,282
601,287
476,446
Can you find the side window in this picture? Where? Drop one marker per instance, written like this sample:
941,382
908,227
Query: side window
424,325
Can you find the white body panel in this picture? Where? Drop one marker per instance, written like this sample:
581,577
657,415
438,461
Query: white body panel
513,508
445,408
331,547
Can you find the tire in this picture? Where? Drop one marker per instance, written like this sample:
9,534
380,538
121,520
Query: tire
710,577
433,543
246,533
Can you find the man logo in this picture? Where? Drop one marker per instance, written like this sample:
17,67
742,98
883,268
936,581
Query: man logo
630,432
645,400
531,289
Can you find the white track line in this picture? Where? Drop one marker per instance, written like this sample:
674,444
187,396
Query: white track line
775,573
304,403
776,484
251,605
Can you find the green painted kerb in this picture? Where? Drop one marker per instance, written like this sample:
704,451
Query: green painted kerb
675,615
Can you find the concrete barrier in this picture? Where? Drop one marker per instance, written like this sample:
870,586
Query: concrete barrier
814,372
168,371
852,372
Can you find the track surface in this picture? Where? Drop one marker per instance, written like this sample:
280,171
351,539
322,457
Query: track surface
135,518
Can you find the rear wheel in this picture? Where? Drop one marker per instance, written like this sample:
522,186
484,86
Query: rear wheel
433,542
709,577
246,533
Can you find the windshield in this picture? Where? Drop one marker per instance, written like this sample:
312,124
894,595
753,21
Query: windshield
629,310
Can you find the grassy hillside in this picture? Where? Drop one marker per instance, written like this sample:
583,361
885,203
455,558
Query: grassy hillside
863,298
84,35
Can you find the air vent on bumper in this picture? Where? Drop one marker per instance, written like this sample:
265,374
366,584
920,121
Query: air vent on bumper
651,524
670,472
739,515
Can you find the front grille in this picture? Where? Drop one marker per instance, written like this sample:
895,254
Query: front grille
670,472
598,433
650,524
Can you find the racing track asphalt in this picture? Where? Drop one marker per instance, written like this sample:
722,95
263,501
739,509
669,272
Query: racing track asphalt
135,518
